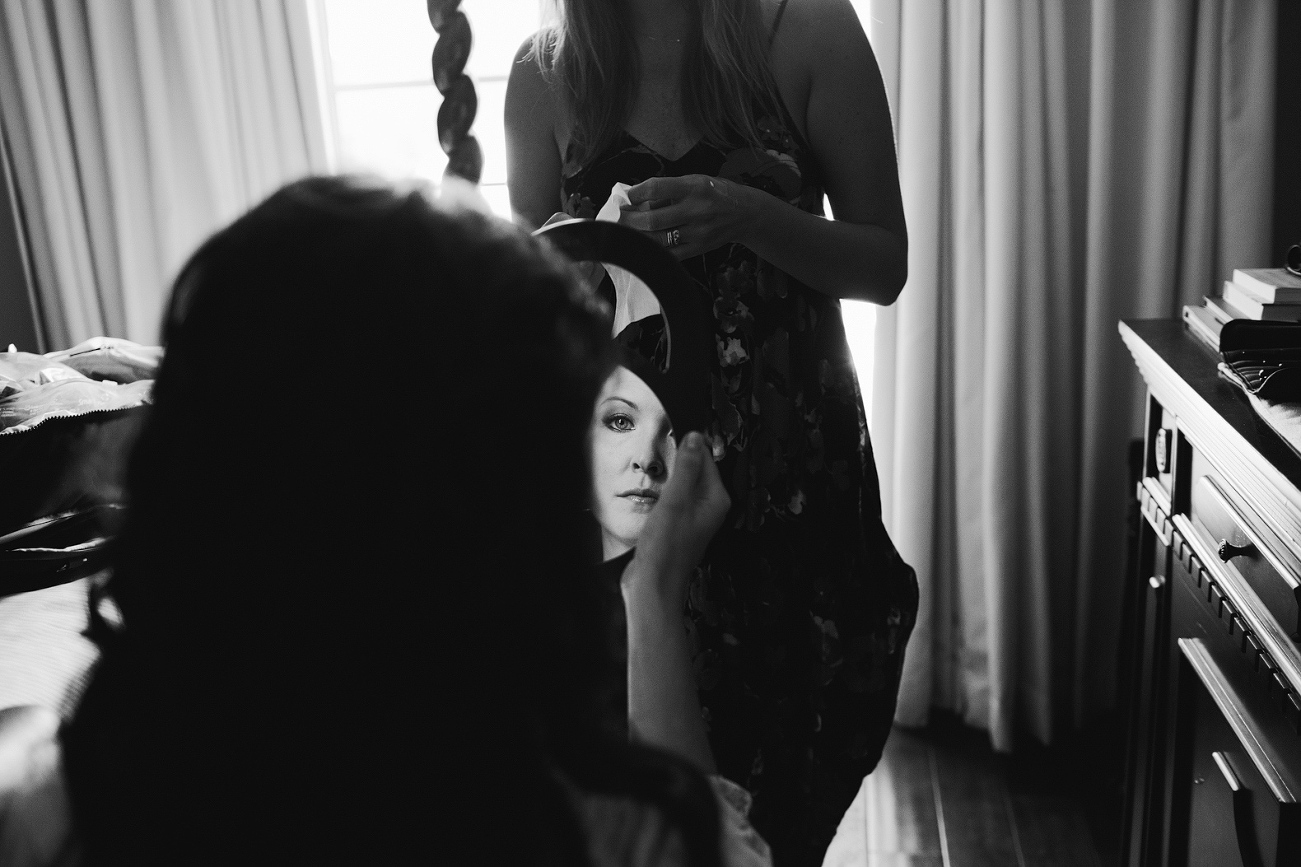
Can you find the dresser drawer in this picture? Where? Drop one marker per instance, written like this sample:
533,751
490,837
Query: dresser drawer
1210,603
1239,808
1242,543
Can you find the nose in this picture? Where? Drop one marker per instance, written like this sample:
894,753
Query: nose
652,466
651,460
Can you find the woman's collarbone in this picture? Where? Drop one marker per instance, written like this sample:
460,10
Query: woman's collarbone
657,121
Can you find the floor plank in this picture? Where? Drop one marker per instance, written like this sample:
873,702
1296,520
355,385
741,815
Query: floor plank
1053,831
849,847
975,807
901,859
941,797
899,806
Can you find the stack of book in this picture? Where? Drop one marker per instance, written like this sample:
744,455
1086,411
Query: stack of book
1253,293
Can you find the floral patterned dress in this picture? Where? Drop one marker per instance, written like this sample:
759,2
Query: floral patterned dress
799,615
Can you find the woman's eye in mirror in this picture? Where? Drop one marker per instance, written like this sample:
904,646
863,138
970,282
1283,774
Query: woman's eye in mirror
619,422
632,454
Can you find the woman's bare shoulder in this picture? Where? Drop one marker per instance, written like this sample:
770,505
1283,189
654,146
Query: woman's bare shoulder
526,72
822,50
533,96
812,27
815,39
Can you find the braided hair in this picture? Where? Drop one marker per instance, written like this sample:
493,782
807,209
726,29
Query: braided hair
460,104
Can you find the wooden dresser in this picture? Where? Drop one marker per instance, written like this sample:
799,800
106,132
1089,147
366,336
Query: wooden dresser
1211,673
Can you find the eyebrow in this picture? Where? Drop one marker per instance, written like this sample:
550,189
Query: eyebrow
621,400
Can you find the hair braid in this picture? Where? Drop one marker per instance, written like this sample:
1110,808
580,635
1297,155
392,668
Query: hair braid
456,114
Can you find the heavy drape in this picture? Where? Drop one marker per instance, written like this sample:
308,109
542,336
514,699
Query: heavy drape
1064,165
137,128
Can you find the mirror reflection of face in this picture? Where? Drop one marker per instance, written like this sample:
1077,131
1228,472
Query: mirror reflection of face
632,456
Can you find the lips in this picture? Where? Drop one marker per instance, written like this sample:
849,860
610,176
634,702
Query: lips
641,496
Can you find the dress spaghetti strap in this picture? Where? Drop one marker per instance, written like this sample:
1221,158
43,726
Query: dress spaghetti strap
777,20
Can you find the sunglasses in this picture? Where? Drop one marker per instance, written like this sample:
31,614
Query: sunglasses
1294,259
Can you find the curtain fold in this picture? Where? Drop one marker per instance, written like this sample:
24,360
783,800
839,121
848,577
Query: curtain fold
1063,165
138,128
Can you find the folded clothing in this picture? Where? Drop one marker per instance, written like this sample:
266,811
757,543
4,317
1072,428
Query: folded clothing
111,358
99,375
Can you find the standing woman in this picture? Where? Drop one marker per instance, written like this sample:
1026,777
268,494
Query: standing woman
731,119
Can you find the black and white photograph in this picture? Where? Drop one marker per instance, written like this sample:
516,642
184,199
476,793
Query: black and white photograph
662,433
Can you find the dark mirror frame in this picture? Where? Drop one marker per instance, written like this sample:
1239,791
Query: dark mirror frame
684,386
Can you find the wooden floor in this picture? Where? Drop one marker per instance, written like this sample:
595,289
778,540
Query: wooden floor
942,798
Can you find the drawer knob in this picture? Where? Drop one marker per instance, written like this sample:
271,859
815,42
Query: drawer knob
1227,552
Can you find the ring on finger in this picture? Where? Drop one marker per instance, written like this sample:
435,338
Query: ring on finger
672,238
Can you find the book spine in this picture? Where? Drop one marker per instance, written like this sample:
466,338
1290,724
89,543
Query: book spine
1201,329
1218,313
1266,291
1256,287
1247,303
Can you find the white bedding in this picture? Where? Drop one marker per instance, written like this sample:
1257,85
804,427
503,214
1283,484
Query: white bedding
44,658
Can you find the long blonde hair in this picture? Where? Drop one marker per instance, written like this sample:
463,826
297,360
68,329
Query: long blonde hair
588,49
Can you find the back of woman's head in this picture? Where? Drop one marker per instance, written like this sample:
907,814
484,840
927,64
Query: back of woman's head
351,584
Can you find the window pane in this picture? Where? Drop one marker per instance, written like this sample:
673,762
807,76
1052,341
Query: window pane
860,331
862,7
391,131
378,41
490,129
499,28
498,199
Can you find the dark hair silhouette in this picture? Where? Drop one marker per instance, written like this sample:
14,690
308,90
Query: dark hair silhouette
358,616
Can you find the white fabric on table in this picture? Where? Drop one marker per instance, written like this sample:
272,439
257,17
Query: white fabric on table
44,658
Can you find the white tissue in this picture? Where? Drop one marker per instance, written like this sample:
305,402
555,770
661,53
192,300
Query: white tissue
633,299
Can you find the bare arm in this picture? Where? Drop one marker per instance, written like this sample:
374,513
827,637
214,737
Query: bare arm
663,707
862,253
533,162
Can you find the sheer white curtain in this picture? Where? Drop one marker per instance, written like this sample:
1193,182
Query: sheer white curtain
1064,165
137,128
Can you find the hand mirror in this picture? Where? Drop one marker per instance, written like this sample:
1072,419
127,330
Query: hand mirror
672,352
661,388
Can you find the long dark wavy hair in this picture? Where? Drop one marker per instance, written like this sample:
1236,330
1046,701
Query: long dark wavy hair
358,617
590,51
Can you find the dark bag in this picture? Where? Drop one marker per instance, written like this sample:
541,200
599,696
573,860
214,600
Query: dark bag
1265,356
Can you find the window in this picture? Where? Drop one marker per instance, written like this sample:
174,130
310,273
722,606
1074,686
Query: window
381,105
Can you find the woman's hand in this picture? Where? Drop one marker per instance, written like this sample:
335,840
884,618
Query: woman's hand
692,214
677,531
663,707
